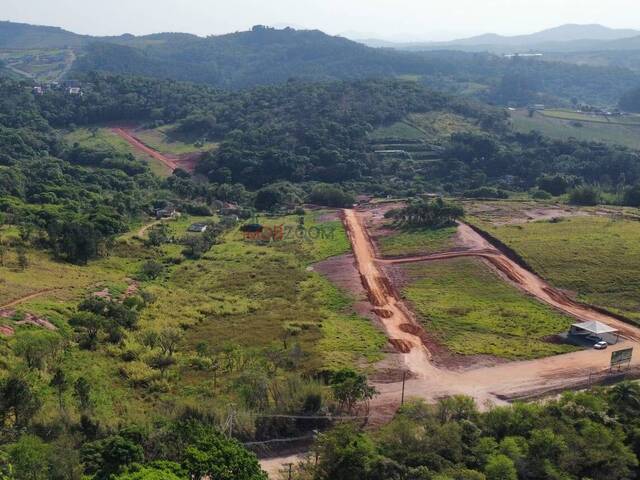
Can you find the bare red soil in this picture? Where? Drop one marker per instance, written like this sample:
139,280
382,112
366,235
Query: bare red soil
495,383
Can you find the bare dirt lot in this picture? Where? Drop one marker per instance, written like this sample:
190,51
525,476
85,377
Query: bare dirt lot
494,384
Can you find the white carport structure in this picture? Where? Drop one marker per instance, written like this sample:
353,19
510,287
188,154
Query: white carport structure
593,328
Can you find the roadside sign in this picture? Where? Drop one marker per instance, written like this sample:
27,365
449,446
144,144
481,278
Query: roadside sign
621,357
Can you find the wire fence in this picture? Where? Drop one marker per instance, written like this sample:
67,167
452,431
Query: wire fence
331,418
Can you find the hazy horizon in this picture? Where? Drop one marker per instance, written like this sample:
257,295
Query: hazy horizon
399,20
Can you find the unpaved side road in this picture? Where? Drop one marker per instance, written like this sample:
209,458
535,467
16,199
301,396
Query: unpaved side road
487,385
169,162
493,384
26,298
523,279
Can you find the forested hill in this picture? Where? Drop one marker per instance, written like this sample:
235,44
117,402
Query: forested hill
25,36
267,56
306,133
257,57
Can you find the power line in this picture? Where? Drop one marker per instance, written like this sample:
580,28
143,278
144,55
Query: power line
280,440
311,417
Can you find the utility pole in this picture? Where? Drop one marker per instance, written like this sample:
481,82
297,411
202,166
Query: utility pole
290,465
404,379
229,423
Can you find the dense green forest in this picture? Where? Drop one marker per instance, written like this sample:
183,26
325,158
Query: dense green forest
301,133
76,197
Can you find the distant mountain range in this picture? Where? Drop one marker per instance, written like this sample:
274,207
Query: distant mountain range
269,56
565,38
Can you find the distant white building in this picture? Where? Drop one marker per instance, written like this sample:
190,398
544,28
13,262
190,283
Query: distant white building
75,91
198,228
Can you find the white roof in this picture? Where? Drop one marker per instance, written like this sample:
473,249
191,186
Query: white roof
595,327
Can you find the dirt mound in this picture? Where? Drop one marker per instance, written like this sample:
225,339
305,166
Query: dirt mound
6,330
382,313
189,161
374,295
410,328
402,346
387,288
28,319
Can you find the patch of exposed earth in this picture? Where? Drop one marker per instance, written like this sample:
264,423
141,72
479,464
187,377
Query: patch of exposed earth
512,213
25,319
342,272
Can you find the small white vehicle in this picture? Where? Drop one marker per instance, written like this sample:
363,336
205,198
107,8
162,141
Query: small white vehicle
602,345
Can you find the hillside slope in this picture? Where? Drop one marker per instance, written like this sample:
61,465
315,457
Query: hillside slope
268,56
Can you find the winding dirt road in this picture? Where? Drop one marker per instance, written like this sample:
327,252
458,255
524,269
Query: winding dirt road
495,384
26,298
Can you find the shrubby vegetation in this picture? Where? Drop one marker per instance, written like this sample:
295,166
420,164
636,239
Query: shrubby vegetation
185,448
630,101
426,214
330,196
587,195
581,435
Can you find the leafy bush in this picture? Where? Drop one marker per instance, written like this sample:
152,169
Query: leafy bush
427,214
486,192
541,195
631,196
587,195
139,374
556,184
331,196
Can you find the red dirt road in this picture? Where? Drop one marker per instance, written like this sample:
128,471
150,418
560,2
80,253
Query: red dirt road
127,135
523,279
495,384
186,162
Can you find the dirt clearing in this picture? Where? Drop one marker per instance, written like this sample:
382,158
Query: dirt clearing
495,384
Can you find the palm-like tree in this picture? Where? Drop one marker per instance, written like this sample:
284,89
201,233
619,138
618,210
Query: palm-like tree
626,397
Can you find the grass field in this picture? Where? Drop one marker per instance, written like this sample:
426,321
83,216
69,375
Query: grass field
399,130
439,125
597,257
472,311
104,139
242,300
588,131
160,139
432,126
585,117
43,65
416,242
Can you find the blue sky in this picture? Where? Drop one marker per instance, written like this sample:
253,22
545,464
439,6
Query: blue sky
391,19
